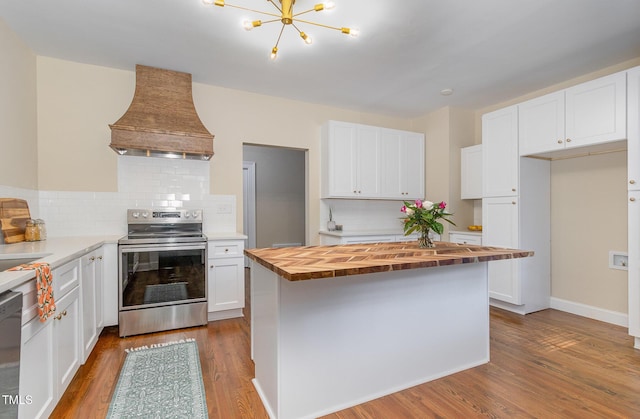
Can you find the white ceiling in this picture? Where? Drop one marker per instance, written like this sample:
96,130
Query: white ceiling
488,51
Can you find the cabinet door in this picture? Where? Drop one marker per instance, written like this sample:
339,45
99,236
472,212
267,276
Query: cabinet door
391,165
471,172
99,279
541,124
368,162
412,165
634,264
596,111
37,370
67,340
401,164
633,126
226,284
88,303
500,152
341,161
500,228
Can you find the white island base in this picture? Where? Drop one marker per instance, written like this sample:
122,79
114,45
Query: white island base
323,345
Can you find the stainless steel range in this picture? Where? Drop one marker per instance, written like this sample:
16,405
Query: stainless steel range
162,271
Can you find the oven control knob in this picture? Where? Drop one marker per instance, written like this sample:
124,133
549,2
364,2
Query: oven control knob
145,214
135,214
195,214
187,214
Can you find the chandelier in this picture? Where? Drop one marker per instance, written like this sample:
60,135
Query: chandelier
287,17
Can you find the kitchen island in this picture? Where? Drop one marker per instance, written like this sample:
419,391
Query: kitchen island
336,326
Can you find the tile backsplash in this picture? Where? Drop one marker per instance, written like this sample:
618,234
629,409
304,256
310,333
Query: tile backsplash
143,182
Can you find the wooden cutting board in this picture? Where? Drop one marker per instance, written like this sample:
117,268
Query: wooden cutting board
14,214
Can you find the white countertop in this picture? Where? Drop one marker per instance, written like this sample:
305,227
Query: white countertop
226,236
351,233
469,232
55,251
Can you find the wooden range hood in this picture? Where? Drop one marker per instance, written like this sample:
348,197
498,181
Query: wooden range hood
162,120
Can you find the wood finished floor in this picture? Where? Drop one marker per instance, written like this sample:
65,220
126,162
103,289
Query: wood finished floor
548,364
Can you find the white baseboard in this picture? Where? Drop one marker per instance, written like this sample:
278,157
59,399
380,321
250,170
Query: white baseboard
225,314
596,313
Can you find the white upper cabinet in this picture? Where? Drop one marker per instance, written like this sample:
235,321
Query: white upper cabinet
366,162
596,111
350,161
471,172
402,164
541,124
500,152
633,134
587,114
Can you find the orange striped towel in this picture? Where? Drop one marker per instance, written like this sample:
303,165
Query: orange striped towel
44,286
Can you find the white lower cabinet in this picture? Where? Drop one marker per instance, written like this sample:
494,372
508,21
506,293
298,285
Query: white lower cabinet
91,287
521,222
67,340
634,266
226,279
465,238
328,240
52,351
37,370
50,357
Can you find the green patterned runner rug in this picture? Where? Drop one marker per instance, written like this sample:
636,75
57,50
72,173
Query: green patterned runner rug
161,381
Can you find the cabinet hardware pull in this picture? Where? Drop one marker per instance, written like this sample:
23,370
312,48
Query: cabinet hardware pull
513,189
58,317
559,141
568,140
633,182
212,266
632,199
99,257
92,258
513,202
64,313
226,250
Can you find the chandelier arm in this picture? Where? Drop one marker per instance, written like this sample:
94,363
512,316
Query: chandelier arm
318,24
252,10
276,6
280,35
306,11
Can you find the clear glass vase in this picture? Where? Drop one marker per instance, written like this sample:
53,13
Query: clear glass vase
424,240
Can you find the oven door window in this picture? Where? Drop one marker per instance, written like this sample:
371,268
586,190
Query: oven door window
156,276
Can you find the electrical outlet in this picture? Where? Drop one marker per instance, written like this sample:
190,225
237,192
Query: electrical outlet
223,209
618,260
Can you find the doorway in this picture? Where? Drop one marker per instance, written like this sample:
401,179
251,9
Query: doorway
274,196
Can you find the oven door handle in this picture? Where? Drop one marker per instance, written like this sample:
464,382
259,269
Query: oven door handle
161,248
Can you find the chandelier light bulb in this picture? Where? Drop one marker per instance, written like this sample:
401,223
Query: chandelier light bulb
328,5
307,38
248,25
274,53
207,2
350,31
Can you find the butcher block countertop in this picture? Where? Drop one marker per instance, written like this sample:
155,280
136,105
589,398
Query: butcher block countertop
315,262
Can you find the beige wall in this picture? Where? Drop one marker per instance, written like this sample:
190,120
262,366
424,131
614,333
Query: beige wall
588,219
76,102
18,139
446,131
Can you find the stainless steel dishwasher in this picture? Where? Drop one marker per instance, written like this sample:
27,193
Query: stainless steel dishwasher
10,334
